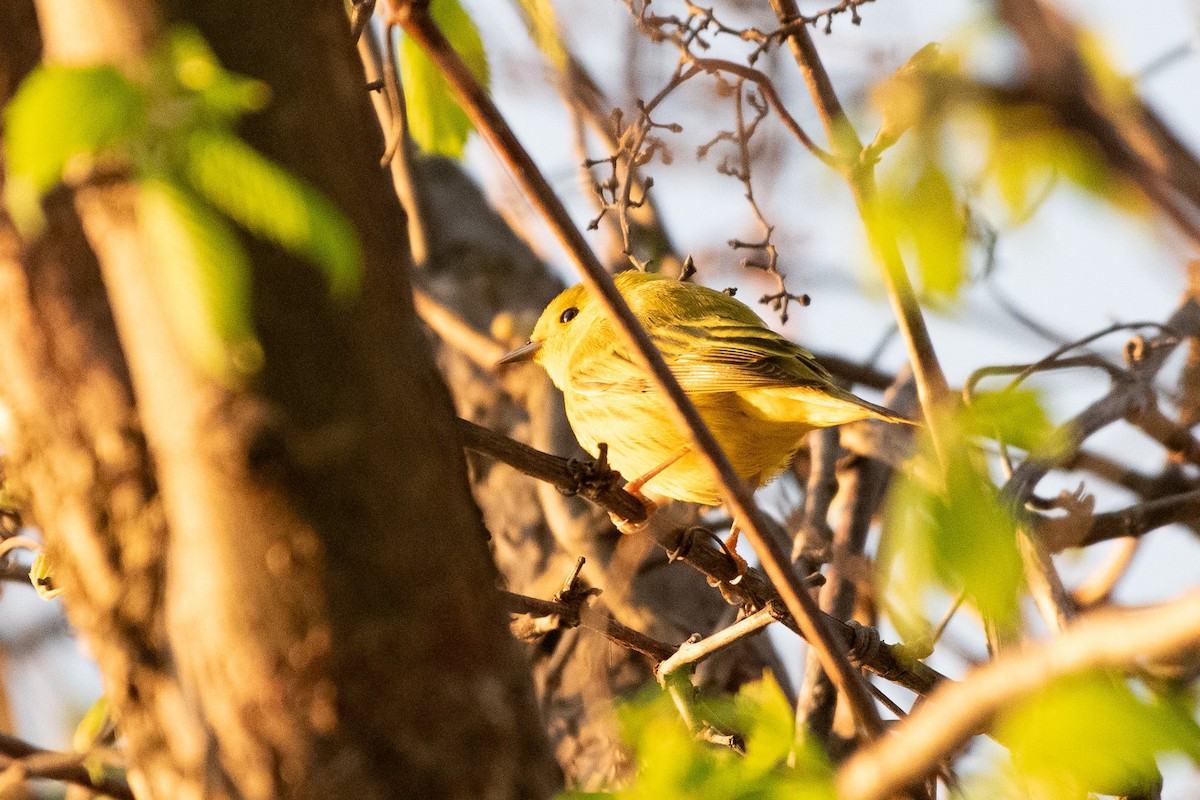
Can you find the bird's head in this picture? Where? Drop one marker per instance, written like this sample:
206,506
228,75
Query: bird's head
558,331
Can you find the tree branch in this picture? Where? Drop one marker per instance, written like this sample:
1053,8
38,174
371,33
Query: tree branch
1061,533
74,768
932,388
593,480
958,711
594,620
414,17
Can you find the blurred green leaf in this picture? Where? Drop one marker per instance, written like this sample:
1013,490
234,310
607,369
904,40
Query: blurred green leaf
203,278
436,121
175,135
904,99
58,116
62,112
544,30
272,203
1091,732
1017,418
937,231
917,207
673,763
1029,150
195,67
945,528
92,727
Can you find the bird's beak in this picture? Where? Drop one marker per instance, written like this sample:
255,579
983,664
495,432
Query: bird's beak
525,352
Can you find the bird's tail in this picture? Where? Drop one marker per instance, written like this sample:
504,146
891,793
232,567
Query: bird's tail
879,412
819,406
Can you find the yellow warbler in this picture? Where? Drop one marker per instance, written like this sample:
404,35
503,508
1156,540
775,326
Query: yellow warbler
757,391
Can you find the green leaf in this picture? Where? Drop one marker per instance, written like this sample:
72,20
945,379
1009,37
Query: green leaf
196,69
1029,150
766,717
436,121
543,27
92,727
1091,732
904,99
272,203
917,206
937,231
1017,418
204,280
945,528
673,763
60,116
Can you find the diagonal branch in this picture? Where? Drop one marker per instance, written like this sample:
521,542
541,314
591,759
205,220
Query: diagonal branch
958,711
932,388
417,23
689,544
599,621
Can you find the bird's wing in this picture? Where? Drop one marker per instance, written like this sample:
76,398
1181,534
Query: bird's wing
722,355
707,355
601,364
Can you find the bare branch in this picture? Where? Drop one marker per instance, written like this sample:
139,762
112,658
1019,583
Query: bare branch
1060,533
956,712
694,650
457,332
488,120
595,620
593,480
78,769
1129,394
932,389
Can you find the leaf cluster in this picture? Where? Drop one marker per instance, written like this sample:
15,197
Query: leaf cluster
170,127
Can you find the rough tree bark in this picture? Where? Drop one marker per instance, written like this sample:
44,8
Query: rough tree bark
287,588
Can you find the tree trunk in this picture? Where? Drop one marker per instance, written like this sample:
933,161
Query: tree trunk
287,588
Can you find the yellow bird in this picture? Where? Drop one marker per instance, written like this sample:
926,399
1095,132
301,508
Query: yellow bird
757,391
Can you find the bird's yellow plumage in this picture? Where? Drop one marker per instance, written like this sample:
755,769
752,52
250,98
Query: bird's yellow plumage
758,392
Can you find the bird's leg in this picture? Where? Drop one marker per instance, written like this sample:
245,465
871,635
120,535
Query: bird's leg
730,545
728,590
634,487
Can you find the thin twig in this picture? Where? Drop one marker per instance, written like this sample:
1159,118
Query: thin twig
74,768
693,651
600,621
932,388
391,112
1128,394
766,88
457,332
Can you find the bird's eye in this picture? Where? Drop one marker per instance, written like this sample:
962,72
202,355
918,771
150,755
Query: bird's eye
568,315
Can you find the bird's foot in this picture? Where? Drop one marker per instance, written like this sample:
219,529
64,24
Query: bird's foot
634,487
626,526
729,545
